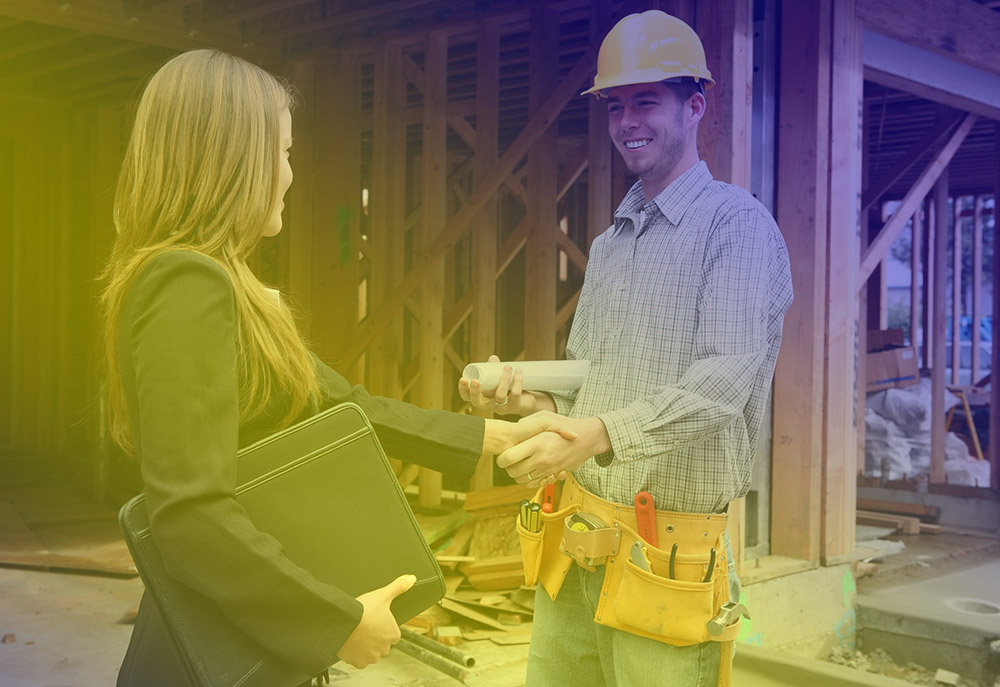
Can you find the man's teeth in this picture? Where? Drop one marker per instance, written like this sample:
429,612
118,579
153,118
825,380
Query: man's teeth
632,145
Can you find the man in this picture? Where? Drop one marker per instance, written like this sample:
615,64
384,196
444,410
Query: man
680,316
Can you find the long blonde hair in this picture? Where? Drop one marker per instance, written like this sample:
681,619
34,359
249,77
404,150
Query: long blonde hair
200,173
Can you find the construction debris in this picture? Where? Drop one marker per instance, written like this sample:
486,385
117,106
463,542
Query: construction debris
478,547
946,677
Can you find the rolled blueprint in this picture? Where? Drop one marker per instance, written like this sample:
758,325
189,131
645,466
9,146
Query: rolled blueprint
539,375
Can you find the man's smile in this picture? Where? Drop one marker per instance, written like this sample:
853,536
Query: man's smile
637,143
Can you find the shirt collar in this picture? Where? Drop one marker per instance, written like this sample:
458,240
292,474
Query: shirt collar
672,202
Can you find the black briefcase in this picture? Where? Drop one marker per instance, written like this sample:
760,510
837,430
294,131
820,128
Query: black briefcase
326,491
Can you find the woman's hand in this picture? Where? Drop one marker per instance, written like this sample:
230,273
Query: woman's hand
378,630
501,435
509,398
547,454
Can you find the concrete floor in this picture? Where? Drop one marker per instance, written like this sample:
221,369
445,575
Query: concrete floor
64,629
68,634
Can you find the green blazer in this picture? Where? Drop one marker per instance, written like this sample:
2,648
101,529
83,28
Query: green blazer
178,342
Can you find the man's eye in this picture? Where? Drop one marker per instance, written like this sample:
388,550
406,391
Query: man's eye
614,109
647,103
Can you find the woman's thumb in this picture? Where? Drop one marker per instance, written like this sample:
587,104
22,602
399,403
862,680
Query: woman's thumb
400,584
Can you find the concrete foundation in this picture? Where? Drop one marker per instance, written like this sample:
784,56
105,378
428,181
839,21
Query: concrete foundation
946,622
806,614
984,514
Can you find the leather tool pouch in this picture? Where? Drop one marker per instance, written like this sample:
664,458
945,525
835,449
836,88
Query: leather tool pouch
540,551
674,609
589,548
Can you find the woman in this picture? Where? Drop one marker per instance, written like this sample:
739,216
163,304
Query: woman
203,360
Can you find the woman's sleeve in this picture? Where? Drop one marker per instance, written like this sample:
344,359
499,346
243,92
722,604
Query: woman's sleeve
448,442
183,341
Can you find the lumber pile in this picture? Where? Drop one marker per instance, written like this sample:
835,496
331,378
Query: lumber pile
20,547
477,547
908,518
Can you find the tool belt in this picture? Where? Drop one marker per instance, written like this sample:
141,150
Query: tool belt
677,593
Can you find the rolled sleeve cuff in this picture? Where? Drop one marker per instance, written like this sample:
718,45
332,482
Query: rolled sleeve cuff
626,437
564,404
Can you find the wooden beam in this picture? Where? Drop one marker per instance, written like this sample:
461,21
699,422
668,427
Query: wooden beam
956,29
224,18
572,170
485,232
409,23
927,262
938,354
302,194
434,215
91,55
337,210
388,215
956,294
44,41
573,252
459,222
567,310
511,246
542,167
977,285
995,388
916,276
929,141
105,18
880,246
801,213
840,460
725,27
599,146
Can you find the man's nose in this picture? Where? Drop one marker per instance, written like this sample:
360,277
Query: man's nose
628,120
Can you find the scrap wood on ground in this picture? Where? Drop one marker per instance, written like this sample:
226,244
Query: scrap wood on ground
478,548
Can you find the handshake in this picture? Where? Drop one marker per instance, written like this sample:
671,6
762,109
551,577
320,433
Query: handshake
543,446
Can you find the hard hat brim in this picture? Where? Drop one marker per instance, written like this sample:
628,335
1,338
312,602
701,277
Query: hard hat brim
601,86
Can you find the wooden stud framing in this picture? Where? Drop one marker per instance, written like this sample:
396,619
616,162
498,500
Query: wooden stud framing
434,213
927,286
599,147
956,293
959,30
724,132
880,246
995,388
302,195
484,235
543,171
459,222
940,286
336,207
932,139
841,416
916,276
388,214
977,285
801,211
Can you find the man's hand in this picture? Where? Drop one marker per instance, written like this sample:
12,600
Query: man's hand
509,398
501,435
545,454
377,631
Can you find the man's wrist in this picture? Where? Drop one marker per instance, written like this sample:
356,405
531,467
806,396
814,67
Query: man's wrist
535,401
595,435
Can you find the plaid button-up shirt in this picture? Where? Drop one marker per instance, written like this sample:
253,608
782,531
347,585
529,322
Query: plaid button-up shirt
680,316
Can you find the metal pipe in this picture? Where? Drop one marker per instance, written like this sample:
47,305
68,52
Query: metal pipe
438,648
436,661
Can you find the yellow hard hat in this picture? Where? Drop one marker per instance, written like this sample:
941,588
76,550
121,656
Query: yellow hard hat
647,48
